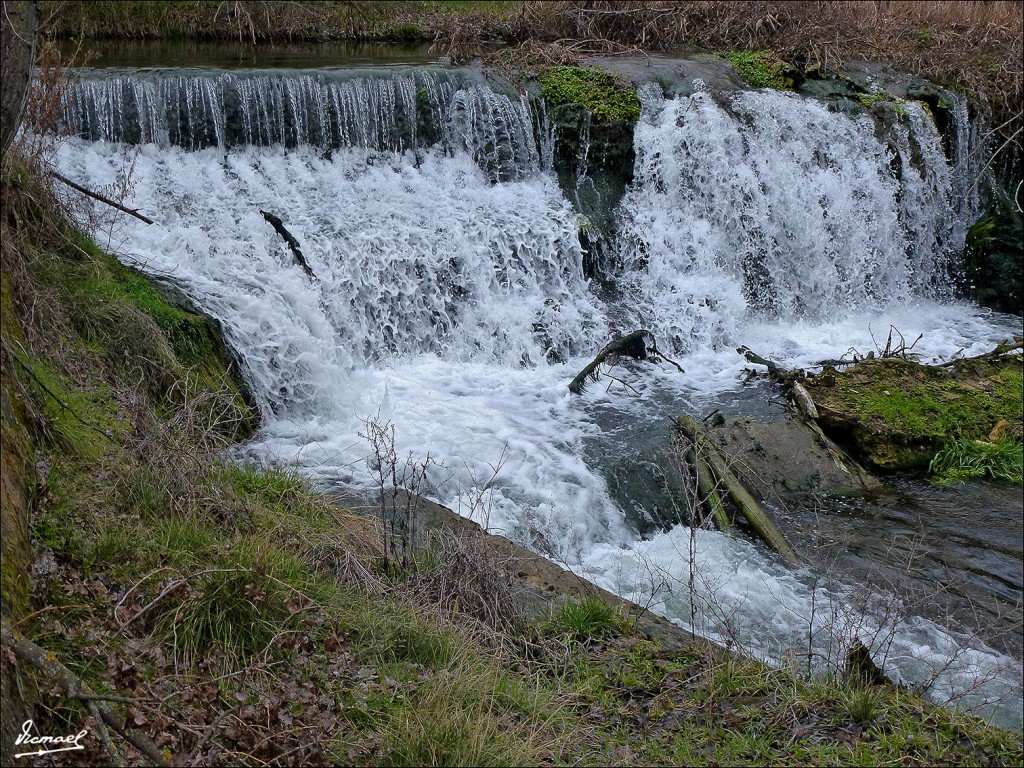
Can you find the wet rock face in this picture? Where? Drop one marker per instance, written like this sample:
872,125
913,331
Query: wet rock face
788,458
594,164
995,260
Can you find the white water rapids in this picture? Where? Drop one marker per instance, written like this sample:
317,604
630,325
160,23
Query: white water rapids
455,308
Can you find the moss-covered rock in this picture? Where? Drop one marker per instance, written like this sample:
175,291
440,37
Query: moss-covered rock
762,69
995,260
593,112
606,97
897,414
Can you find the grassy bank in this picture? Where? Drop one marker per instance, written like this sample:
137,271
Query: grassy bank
963,418
233,615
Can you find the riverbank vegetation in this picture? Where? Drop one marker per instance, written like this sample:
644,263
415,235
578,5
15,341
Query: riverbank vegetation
975,47
226,614
962,418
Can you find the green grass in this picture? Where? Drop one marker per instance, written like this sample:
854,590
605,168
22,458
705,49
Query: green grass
236,613
597,91
965,459
586,619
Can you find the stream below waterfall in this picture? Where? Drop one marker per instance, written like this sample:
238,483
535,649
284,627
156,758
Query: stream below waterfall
450,300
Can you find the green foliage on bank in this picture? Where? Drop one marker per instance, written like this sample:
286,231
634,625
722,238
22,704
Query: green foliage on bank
968,459
898,414
762,69
601,93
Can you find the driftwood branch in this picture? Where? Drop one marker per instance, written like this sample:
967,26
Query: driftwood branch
278,225
737,494
96,196
1008,347
707,489
56,673
775,371
639,345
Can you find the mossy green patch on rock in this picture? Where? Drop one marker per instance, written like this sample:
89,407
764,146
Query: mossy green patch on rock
995,259
147,333
606,97
762,69
897,414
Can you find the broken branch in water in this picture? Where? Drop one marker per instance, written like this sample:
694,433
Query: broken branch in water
734,490
278,225
775,371
639,345
96,196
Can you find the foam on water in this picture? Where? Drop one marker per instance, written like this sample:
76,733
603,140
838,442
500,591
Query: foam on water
455,308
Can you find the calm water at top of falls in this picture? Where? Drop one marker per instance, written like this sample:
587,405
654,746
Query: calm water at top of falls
450,301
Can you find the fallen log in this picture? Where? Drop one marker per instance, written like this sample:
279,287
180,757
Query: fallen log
96,196
707,489
639,345
293,244
737,494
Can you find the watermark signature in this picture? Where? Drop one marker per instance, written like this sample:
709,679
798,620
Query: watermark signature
44,745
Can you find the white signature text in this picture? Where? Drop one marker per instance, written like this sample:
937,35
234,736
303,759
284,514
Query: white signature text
44,745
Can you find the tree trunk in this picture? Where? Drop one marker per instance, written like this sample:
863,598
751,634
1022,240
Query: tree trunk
17,462
17,51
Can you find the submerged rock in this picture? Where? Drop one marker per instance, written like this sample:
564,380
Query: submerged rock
786,458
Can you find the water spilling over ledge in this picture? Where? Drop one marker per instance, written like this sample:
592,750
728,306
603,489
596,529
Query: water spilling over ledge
389,113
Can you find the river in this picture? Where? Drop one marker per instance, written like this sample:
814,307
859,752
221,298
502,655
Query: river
450,301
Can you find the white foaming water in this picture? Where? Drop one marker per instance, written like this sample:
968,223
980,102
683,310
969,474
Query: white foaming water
455,308
769,203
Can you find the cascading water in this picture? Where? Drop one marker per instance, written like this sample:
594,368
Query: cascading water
449,299
768,203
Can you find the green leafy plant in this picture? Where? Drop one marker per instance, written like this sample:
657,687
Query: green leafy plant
601,93
762,69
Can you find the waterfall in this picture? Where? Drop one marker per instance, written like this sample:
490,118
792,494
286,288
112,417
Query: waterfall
768,203
450,297
328,111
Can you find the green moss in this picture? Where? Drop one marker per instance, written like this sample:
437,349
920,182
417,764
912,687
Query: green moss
762,69
936,404
84,421
871,100
606,97
899,414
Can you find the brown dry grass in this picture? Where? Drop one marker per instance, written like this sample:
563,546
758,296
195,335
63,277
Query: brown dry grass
971,45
